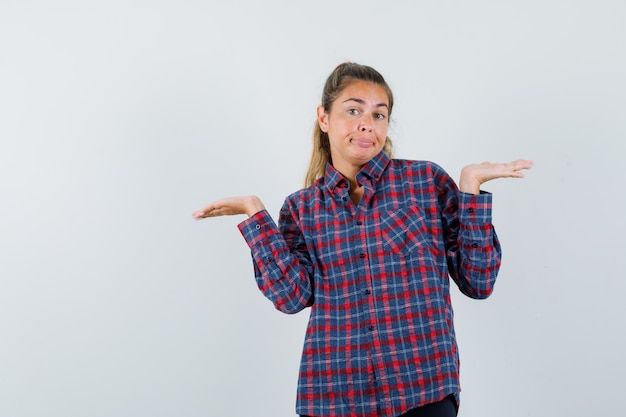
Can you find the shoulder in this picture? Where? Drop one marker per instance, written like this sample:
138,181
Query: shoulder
418,167
423,177
307,192
304,197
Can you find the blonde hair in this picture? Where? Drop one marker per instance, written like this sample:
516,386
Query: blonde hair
339,79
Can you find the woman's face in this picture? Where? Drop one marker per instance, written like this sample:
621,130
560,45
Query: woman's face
356,125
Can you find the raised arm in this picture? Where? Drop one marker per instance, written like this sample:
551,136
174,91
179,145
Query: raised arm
473,249
282,267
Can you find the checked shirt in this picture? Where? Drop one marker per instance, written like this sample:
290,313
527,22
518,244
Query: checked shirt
380,338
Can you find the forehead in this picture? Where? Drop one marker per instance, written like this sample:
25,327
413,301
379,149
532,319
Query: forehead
364,90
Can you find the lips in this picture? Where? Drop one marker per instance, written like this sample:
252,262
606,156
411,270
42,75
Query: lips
363,143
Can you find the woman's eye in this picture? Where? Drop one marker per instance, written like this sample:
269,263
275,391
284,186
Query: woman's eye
379,116
353,112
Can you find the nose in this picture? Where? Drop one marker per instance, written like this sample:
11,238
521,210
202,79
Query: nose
366,122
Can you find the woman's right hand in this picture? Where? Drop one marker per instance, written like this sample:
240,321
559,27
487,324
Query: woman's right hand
230,206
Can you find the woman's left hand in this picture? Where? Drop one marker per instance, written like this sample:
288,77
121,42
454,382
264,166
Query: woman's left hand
473,175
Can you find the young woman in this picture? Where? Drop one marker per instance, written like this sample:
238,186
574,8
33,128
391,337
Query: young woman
369,245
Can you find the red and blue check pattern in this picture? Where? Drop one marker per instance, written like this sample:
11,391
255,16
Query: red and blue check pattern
380,338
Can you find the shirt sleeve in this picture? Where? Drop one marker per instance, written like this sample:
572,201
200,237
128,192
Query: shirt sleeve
472,247
282,267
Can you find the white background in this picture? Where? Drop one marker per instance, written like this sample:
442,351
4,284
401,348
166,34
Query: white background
119,118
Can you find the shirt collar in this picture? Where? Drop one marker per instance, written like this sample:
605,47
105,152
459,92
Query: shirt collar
375,167
373,170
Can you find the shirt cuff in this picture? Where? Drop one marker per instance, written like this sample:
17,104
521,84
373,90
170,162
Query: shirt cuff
257,227
475,208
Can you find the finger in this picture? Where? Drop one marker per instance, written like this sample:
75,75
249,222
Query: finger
198,214
203,213
521,164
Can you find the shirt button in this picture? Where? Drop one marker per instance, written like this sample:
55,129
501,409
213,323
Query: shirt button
367,292
361,255
474,245
470,210
344,198
258,227
371,328
359,222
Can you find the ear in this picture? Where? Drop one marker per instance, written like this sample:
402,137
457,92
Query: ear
322,118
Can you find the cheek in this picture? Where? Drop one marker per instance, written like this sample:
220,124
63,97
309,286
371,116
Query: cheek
344,126
382,131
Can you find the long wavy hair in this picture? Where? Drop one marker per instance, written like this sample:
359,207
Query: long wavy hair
339,79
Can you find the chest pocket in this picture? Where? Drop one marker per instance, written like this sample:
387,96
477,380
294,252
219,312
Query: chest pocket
405,231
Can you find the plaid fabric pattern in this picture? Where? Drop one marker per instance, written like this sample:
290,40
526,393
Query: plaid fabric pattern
380,338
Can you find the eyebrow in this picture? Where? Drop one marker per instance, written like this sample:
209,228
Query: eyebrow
360,101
